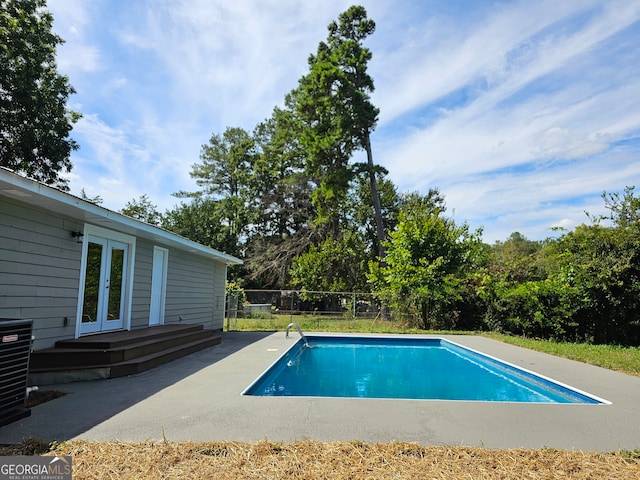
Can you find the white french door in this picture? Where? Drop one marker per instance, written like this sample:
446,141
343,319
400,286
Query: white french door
104,298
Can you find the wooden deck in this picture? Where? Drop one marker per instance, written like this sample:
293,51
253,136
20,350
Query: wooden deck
116,354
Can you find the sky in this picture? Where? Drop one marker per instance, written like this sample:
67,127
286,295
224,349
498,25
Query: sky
522,113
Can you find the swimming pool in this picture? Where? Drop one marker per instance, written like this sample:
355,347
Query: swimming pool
405,368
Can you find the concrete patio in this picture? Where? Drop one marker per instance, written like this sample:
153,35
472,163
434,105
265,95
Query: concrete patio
198,398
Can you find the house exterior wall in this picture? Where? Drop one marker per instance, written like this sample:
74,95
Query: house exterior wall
141,297
220,296
40,273
194,290
39,270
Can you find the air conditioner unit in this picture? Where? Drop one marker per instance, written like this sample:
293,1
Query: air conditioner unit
15,349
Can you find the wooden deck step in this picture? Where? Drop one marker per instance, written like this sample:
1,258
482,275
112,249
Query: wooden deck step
127,337
117,354
101,355
140,364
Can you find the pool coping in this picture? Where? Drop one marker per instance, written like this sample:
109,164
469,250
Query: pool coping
198,398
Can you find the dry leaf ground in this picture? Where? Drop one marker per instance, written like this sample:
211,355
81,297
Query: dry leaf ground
313,460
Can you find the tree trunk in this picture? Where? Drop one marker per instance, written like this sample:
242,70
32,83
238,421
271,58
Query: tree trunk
376,197
425,315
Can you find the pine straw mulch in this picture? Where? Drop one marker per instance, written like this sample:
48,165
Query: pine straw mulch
314,460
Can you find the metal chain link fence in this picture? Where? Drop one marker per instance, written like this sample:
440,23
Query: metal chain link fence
280,305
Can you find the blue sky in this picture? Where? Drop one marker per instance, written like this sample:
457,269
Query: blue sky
521,112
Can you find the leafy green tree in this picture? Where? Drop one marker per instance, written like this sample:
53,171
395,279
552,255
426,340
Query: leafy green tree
360,213
433,200
539,309
517,259
199,220
591,289
333,102
428,262
603,265
34,119
282,191
226,164
336,265
345,39
225,176
624,210
97,200
281,187
144,210
236,298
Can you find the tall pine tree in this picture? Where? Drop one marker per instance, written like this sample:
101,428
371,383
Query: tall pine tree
333,101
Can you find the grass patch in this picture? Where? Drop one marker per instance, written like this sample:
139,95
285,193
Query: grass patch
621,359
326,323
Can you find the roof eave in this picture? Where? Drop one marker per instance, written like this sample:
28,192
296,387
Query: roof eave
38,194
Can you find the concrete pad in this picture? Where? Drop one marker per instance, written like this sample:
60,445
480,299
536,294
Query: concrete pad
199,398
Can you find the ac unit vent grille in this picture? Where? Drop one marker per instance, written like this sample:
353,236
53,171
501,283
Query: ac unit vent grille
15,349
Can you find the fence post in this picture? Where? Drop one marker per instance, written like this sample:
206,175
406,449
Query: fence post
232,307
291,307
354,306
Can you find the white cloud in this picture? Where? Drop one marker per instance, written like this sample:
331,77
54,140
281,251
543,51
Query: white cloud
71,19
233,61
557,142
516,110
534,201
541,128
84,58
443,62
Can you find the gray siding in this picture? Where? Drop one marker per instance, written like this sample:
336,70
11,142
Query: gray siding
195,289
191,284
39,270
141,298
40,273
220,296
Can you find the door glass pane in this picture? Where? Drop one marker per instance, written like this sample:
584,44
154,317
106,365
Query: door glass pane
115,286
92,283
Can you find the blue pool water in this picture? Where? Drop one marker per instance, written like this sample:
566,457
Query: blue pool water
408,368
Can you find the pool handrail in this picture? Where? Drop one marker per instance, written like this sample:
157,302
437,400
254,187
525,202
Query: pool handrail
297,327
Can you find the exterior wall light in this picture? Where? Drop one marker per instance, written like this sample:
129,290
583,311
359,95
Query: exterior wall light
78,236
